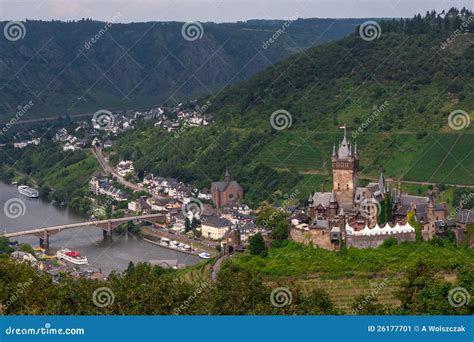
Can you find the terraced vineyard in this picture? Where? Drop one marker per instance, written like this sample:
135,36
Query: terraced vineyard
436,158
343,291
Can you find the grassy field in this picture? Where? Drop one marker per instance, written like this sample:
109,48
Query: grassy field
305,262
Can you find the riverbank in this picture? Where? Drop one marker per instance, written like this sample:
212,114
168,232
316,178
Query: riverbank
155,235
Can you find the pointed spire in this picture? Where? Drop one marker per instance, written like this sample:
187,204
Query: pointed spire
227,175
355,148
431,200
334,149
382,183
333,197
341,212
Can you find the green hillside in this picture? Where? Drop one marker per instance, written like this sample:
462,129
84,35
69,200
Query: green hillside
58,66
399,89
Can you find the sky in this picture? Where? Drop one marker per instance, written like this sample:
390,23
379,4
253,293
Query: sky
217,10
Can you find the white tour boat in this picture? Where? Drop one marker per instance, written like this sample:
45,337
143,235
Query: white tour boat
71,256
27,191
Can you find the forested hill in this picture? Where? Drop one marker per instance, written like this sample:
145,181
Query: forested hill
412,65
71,67
398,89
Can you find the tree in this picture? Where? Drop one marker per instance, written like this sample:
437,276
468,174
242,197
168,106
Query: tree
187,225
422,293
5,246
280,231
257,245
24,247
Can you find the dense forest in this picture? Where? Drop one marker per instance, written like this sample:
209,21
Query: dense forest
86,65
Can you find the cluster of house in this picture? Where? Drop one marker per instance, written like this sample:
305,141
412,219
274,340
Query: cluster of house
169,197
100,185
25,143
70,142
125,167
180,118
171,187
350,213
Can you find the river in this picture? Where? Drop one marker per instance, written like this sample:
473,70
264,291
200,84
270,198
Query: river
102,254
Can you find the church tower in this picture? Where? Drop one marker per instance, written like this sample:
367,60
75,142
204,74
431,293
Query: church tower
345,167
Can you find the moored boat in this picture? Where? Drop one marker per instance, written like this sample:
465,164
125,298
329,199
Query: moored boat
27,191
71,256
204,255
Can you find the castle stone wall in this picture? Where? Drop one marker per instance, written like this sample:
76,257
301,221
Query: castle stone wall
361,241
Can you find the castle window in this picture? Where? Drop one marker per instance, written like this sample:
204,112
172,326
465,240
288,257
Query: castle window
347,186
338,186
231,195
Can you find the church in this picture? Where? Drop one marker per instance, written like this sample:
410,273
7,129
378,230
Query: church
227,192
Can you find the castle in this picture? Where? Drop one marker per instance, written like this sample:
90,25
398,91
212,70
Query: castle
350,213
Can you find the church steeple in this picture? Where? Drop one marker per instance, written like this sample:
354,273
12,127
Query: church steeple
227,175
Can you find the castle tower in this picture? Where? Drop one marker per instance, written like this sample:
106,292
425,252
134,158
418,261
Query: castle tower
345,167
333,206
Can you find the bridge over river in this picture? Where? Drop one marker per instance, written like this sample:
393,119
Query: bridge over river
107,227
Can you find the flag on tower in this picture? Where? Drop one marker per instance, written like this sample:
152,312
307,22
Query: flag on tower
343,126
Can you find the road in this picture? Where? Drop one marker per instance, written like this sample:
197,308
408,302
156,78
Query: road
97,151
394,181
217,267
47,118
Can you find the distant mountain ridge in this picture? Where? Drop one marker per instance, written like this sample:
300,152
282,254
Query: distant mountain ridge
73,67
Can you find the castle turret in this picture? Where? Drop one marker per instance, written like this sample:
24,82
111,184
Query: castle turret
344,171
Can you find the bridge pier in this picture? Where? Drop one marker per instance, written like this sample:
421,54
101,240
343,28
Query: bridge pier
108,231
44,240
